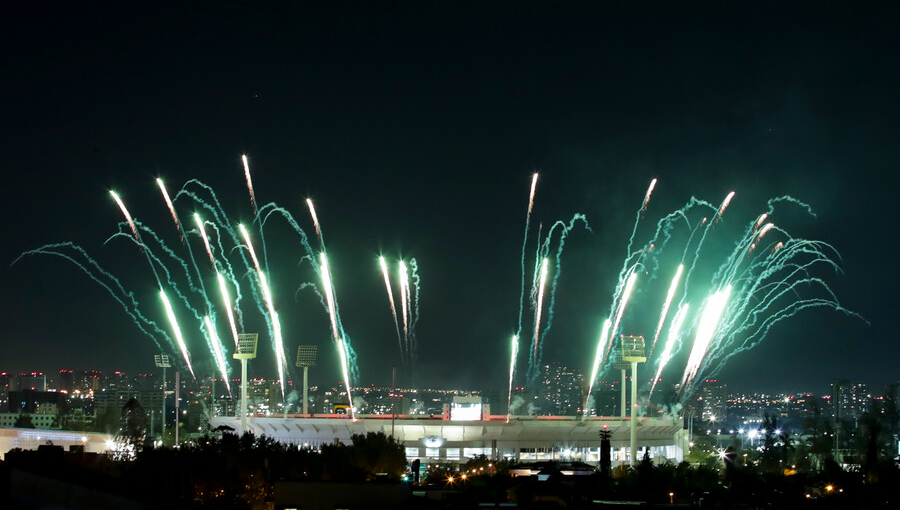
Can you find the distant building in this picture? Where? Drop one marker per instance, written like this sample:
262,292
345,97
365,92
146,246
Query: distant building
560,390
36,381
714,400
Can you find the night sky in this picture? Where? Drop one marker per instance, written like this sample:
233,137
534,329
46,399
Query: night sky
415,129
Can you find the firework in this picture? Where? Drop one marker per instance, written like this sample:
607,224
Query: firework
226,299
390,293
537,311
723,207
647,195
202,230
312,212
706,330
249,183
170,313
220,357
623,302
162,188
665,309
674,332
514,350
598,357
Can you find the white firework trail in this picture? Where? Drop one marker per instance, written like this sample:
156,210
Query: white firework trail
665,309
249,184
537,311
220,357
598,357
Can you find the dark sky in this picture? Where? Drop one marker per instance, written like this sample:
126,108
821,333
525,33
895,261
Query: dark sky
415,128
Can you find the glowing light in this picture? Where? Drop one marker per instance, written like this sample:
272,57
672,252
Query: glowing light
338,338
647,196
226,299
162,187
390,293
709,320
537,312
128,218
170,313
202,230
598,357
623,302
665,309
312,212
249,183
217,349
531,194
723,206
674,333
514,349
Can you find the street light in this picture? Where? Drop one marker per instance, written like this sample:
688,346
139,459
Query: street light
246,350
306,358
162,361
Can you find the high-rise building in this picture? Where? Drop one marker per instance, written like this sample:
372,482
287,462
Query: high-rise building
714,399
560,390
849,401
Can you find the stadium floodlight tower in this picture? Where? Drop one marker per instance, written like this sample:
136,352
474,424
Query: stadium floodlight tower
306,358
162,361
246,350
633,352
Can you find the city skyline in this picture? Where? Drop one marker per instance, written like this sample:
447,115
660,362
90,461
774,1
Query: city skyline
420,141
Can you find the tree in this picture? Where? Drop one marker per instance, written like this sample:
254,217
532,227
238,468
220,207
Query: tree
378,455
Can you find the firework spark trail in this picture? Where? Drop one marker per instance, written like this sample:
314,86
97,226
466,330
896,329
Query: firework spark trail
275,324
170,313
226,302
202,230
706,330
414,317
190,251
524,244
113,286
162,187
220,220
723,207
672,339
212,341
595,367
760,220
637,219
312,212
249,184
121,204
537,315
514,351
134,230
328,285
564,233
404,305
779,276
390,292
623,302
532,296
229,272
665,309
220,357
329,296
346,350
647,196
